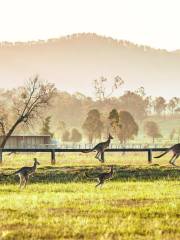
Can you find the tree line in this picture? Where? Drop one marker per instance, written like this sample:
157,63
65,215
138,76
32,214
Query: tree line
38,107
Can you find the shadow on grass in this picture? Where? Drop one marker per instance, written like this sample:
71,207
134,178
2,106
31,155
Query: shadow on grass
67,174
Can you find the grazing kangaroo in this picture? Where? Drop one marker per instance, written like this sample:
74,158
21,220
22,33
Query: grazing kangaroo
25,172
102,177
100,148
176,153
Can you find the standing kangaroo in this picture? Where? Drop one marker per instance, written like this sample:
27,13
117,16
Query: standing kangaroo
25,172
100,148
102,177
176,153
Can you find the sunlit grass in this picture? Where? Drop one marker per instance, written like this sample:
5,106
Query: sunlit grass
142,201
76,159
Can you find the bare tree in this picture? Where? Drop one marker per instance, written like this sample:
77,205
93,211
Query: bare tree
100,88
3,120
28,103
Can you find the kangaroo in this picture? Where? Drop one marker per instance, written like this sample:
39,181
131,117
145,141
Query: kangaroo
100,148
176,153
102,177
25,172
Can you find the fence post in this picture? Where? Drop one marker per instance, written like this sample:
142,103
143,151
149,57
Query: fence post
53,157
149,156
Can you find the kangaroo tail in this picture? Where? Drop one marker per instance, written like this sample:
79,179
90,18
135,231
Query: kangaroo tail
6,175
87,151
163,153
89,176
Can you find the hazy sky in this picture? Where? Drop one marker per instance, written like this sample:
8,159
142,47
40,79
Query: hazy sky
151,22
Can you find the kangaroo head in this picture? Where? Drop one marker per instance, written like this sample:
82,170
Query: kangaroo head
111,168
110,137
36,161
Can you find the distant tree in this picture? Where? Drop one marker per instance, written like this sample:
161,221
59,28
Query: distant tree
149,104
177,110
93,126
159,105
147,100
76,135
172,104
178,133
60,128
141,91
66,136
100,87
135,104
114,121
46,127
61,125
27,103
151,129
129,128
172,134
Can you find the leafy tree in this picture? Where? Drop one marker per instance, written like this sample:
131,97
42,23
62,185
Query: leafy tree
135,104
61,127
172,104
93,126
129,127
76,135
159,105
114,121
151,128
66,136
46,127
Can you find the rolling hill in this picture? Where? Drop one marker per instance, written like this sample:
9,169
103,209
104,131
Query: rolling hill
73,62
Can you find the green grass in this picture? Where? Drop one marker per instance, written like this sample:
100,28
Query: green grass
141,202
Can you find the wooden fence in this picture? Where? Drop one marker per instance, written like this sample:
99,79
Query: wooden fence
53,151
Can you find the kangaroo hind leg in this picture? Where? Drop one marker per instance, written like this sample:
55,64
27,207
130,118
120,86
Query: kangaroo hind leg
171,160
174,160
98,156
21,180
26,177
100,183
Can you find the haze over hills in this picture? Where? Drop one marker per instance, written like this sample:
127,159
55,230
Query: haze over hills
73,62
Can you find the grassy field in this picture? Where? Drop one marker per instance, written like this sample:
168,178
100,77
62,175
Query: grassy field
141,202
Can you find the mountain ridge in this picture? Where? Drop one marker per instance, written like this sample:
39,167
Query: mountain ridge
74,61
77,35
